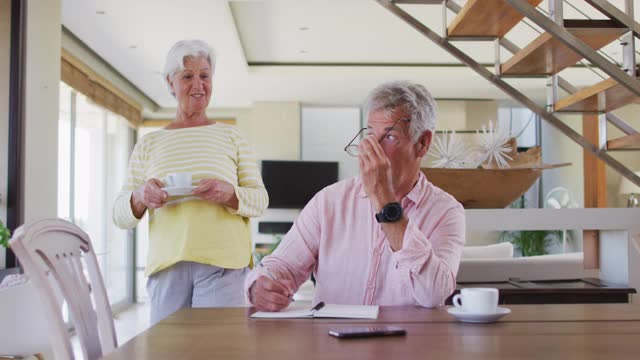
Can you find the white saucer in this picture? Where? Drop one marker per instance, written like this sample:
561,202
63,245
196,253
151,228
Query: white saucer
478,318
179,190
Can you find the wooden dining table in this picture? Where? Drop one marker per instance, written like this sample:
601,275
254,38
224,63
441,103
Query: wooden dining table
576,331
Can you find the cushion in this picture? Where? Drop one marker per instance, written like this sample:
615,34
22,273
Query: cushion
501,250
534,268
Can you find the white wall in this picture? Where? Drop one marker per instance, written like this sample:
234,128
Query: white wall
42,81
5,50
325,133
274,130
452,115
558,148
631,114
479,113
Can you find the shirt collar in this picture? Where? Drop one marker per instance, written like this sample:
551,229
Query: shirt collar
419,189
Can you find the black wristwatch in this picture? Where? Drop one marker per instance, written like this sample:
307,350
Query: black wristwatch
391,212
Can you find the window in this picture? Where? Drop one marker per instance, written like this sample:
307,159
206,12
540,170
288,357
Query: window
94,146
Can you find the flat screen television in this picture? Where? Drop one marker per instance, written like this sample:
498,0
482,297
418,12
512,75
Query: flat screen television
291,184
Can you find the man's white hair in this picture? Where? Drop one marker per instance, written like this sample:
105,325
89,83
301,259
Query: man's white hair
186,49
411,97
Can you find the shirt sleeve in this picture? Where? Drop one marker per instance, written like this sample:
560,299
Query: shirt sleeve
123,216
430,264
297,254
250,191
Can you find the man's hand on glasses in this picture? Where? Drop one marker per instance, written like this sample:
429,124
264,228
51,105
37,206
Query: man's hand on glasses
375,171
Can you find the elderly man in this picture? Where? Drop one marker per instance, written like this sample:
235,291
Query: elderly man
387,237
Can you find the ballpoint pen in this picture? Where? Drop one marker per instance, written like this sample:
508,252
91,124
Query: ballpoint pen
273,277
318,306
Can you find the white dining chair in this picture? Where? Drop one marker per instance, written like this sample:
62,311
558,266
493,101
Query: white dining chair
53,253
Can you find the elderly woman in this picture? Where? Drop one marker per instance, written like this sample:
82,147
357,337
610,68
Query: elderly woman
199,243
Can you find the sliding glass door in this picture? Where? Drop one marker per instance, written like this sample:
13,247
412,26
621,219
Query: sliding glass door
94,146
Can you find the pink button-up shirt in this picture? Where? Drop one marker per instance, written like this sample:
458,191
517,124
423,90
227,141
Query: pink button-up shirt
337,237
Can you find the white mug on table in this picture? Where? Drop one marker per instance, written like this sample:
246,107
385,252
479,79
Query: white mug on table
477,300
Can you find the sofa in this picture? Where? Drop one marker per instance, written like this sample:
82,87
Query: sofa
496,263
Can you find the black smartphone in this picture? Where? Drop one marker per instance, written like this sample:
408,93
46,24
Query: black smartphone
353,333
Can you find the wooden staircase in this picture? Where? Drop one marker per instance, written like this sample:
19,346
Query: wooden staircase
486,18
547,55
602,97
563,44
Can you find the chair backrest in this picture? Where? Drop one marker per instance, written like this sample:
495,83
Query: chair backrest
52,252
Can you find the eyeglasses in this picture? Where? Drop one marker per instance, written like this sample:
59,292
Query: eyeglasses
353,149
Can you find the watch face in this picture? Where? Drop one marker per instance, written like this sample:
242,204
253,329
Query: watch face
392,211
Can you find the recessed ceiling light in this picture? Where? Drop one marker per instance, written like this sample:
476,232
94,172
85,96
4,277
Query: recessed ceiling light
303,51
133,46
303,28
101,12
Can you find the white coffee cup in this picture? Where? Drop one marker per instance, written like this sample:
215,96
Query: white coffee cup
477,300
179,179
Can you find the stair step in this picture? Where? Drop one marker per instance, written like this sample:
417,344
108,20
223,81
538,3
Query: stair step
547,55
486,18
629,142
604,96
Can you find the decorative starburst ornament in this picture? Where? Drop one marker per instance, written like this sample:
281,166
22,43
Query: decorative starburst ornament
495,145
450,152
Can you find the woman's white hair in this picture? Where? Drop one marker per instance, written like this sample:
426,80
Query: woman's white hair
411,97
186,49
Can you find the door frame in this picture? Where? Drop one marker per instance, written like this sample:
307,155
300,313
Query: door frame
15,198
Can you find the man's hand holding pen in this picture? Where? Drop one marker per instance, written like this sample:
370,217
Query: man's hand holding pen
271,294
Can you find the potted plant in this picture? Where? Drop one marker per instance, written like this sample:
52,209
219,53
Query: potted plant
5,234
530,242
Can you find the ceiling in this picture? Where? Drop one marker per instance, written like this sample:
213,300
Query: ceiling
320,52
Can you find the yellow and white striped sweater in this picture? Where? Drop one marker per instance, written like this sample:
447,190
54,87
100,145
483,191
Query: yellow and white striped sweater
187,228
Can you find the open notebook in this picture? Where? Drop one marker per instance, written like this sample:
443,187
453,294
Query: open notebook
322,310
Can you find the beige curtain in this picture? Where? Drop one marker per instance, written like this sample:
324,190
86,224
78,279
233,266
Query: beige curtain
84,80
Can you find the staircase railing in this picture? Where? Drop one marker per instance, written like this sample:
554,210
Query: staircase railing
571,41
